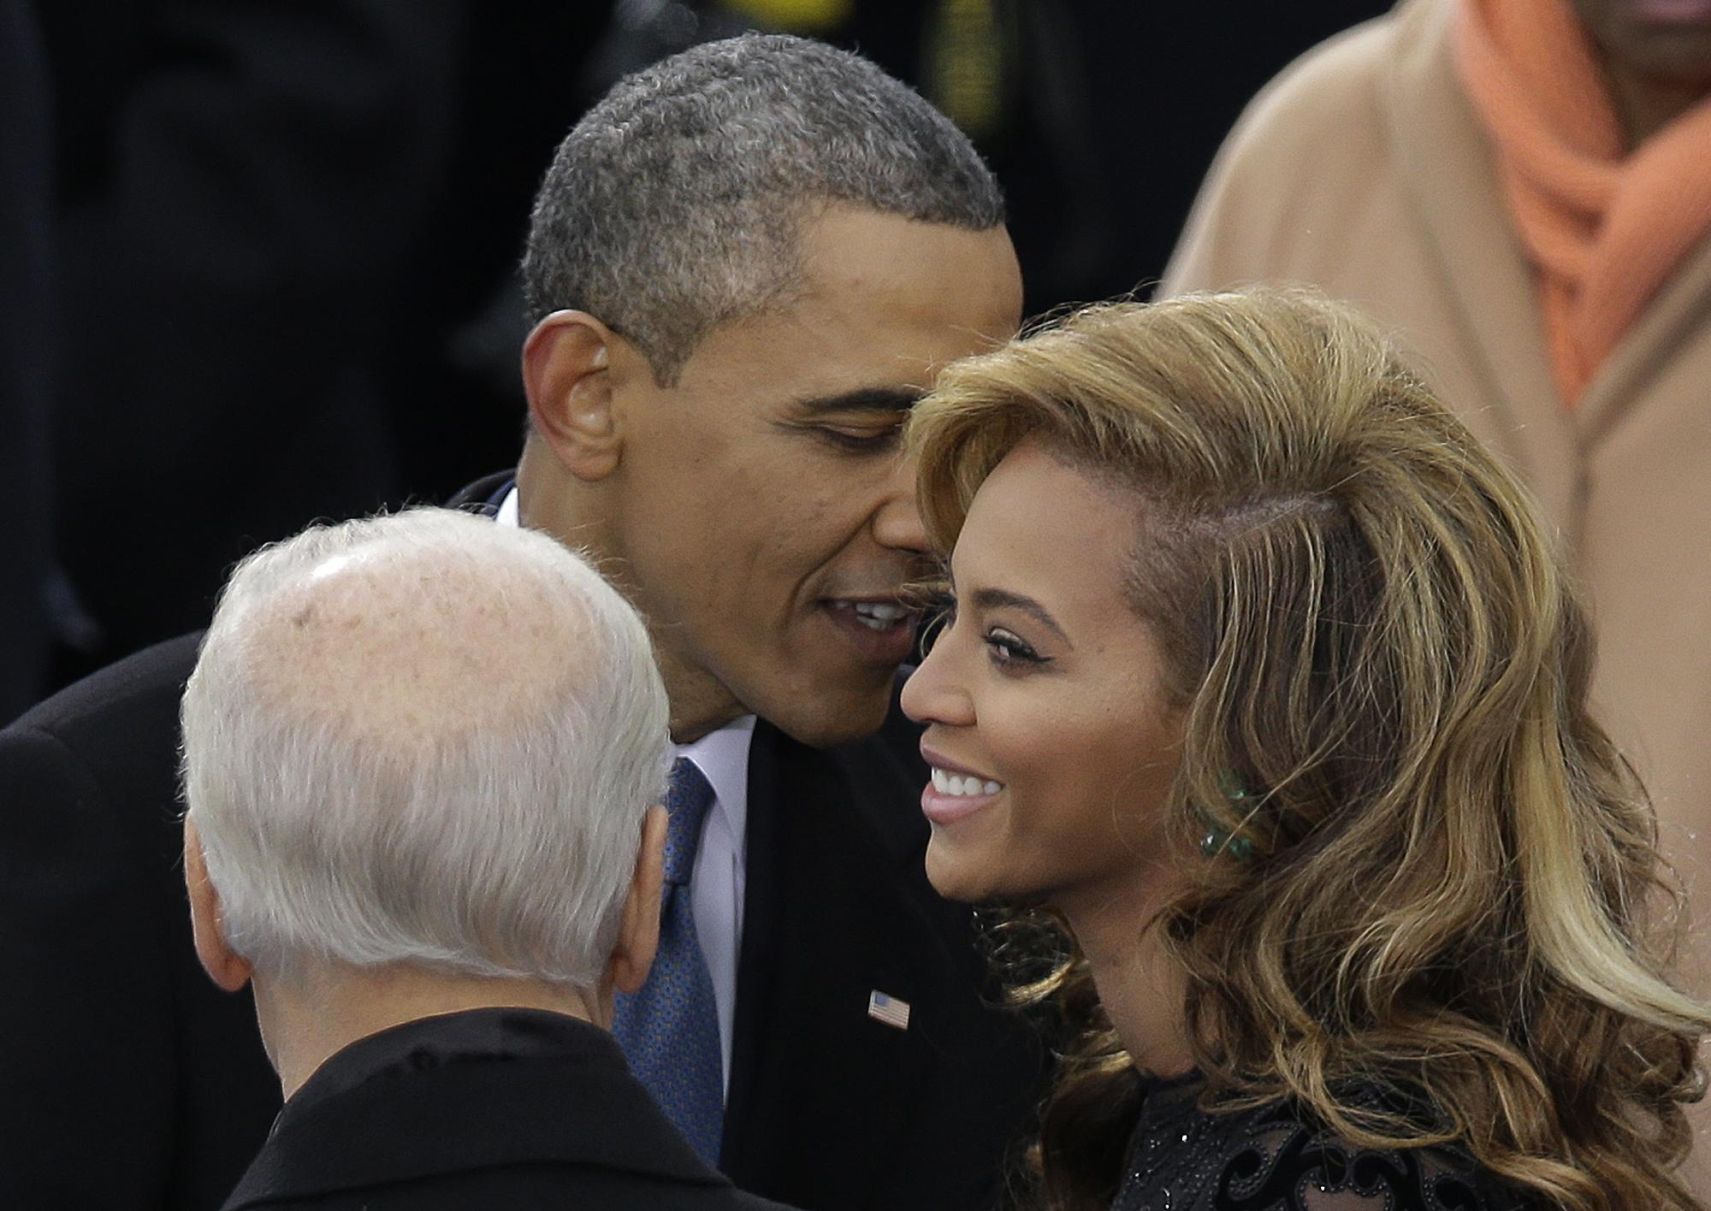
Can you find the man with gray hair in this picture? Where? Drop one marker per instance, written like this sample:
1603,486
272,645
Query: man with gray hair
421,755
745,265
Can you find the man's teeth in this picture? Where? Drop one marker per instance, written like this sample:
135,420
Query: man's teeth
966,785
876,615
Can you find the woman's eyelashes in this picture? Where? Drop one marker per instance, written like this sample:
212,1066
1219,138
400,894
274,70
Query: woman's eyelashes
1009,651
1005,649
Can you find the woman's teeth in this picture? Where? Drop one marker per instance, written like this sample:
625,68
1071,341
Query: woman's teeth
876,615
965,785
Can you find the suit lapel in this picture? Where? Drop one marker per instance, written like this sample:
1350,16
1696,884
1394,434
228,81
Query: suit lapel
757,959
819,1089
1677,315
483,496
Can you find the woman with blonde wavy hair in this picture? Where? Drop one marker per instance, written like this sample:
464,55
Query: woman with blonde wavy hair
1264,687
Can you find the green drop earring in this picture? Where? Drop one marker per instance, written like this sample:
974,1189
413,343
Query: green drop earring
1219,840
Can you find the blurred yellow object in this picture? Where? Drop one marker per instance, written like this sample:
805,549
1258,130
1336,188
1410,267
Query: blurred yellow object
966,57
800,16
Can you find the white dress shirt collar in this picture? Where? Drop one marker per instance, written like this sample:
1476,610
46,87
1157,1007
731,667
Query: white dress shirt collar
723,759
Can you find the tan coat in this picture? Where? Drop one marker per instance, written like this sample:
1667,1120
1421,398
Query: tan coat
1363,170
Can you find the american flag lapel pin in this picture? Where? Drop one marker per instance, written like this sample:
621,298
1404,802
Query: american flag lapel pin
888,1009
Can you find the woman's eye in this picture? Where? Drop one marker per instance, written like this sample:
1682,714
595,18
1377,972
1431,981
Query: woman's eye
1007,648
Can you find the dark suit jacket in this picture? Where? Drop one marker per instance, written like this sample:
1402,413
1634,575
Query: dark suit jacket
239,183
829,1107
26,178
127,1080
491,1108
110,1033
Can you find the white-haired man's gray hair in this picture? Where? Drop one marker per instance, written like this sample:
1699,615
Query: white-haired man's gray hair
675,203
423,739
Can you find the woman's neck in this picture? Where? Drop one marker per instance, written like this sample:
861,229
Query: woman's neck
1139,988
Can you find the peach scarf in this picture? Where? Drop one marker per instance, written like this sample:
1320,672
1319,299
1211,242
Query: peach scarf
1604,229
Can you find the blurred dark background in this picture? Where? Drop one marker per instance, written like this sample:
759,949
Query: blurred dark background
258,255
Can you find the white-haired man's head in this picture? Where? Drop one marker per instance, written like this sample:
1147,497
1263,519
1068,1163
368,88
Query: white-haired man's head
423,740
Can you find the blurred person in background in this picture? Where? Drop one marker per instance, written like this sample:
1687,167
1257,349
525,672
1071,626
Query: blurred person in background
435,855
238,185
1522,190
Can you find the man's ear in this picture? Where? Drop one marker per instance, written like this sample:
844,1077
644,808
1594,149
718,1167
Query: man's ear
230,970
638,929
567,377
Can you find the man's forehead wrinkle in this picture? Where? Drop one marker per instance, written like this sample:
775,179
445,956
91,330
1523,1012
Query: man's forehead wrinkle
415,653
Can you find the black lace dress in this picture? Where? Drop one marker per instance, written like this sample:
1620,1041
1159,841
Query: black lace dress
1276,1159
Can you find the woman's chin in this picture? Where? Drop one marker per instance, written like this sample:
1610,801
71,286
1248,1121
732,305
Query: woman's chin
949,881
961,881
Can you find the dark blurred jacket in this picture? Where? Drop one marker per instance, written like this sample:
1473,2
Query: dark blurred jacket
239,181
25,255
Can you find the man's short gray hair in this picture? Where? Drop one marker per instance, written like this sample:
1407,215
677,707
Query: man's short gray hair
674,205
424,739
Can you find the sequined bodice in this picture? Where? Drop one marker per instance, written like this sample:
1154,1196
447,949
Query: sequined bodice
1275,1159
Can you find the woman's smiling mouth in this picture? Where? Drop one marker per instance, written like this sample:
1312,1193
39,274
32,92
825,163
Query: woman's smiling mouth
953,792
959,786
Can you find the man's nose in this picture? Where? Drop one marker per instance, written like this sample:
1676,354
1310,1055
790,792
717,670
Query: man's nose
897,522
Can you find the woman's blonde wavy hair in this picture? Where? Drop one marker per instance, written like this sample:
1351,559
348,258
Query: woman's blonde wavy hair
1454,887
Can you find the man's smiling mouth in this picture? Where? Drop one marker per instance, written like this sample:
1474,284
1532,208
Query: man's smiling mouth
874,615
880,629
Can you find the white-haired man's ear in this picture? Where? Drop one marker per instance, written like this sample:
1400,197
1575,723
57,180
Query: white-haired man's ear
638,929
228,969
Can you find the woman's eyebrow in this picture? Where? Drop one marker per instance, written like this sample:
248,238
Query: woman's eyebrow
989,599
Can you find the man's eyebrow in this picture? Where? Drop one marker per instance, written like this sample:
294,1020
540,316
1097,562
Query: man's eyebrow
992,599
862,399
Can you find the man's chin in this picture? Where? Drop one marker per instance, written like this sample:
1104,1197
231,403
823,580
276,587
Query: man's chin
837,719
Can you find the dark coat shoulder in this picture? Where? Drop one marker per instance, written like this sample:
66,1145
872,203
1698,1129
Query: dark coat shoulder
486,1108
109,1030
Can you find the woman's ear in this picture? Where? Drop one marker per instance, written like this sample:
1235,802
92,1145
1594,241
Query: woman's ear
566,375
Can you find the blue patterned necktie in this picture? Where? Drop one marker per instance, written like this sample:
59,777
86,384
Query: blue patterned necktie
670,1029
